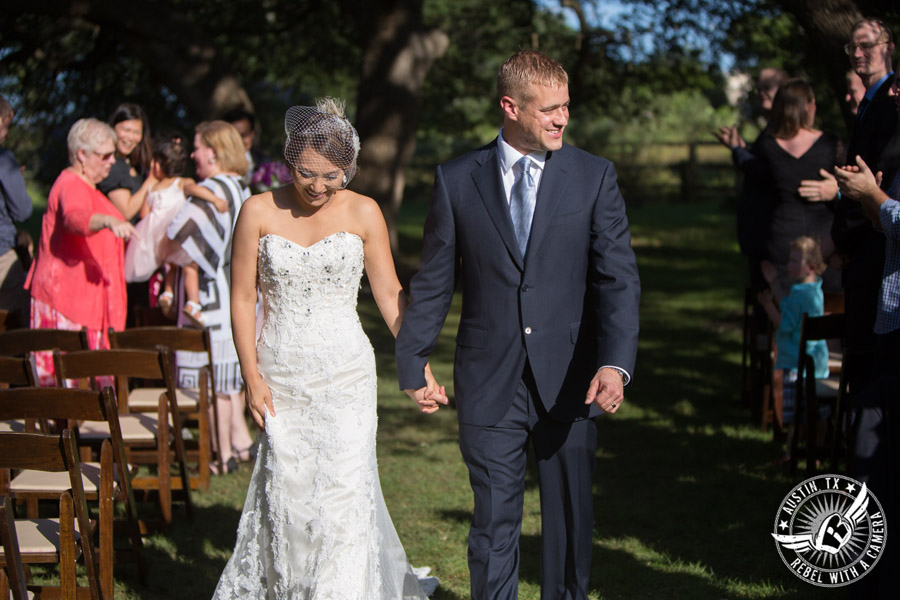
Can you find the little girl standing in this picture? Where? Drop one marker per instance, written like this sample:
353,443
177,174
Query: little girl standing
145,253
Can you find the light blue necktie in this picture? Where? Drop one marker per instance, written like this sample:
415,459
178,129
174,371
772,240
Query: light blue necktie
522,198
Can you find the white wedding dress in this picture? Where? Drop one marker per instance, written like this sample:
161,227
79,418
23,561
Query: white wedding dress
314,524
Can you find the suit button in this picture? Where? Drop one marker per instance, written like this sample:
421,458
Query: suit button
525,288
528,331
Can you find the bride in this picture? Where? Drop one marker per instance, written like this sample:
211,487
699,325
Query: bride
314,524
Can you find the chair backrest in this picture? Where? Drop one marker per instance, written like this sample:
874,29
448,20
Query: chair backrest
15,570
174,338
123,365
17,371
70,405
54,453
826,327
19,342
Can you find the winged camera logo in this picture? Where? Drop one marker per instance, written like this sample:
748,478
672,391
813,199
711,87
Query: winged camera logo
830,530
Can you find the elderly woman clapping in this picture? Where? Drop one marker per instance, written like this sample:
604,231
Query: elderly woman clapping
78,277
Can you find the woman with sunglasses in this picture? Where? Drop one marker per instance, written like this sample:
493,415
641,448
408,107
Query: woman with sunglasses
78,276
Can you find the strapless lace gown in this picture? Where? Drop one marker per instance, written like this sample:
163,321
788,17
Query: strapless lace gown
314,524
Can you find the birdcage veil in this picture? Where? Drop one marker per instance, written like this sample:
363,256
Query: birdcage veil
320,138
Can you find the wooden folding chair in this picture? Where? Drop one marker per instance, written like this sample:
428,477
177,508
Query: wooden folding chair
815,392
195,402
19,342
19,372
58,540
103,482
148,437
12,577
42,342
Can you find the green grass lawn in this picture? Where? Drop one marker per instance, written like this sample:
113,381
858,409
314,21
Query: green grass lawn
685,495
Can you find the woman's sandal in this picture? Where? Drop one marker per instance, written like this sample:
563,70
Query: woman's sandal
165,302
194,312
230,467
247,454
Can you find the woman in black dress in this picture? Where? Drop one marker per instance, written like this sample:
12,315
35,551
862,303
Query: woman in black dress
793,151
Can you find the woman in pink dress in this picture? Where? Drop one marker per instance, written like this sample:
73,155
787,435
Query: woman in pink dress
78,276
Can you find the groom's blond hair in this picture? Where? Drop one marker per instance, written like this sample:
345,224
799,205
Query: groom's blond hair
526,67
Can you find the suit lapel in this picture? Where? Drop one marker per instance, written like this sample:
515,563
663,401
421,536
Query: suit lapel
487,181
554,180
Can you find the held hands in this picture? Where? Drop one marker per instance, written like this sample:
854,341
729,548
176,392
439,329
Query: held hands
259,400
819,190
730,137
607,390
432,396
857,181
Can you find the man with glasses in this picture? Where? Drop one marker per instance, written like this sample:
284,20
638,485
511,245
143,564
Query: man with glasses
875,139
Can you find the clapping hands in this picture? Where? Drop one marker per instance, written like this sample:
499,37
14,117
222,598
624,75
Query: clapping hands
730,137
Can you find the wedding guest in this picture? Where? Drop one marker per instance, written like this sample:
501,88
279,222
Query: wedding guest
755,200
876,139
245,122
128,181
126,186
78,276
15,207
204,235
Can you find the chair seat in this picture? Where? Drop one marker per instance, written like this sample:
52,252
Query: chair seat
17,426
43,482
147,399
141,427
39,536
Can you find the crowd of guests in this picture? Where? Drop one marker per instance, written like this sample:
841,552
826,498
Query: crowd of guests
808,202
125,231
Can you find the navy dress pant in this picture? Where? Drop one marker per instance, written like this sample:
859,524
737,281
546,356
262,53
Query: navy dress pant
496,456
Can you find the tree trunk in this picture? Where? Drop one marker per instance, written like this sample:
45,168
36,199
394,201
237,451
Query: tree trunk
828,25
397,55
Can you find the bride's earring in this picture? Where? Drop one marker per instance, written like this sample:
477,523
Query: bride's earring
212,160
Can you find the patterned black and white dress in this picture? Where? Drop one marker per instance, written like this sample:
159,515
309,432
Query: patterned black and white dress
205,236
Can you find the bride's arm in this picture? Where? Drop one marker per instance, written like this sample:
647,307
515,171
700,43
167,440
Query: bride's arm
388,293
244,250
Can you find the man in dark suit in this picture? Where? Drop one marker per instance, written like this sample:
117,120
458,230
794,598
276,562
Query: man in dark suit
538,235
875,138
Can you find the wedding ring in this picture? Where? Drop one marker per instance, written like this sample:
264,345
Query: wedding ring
613,406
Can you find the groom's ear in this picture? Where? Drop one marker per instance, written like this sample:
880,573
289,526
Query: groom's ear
510,108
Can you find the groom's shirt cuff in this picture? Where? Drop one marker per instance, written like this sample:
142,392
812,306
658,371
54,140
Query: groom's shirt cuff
626,378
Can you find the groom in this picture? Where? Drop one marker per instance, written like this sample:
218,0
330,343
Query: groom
537,232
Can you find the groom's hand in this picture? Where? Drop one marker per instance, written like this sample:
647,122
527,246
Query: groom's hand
607,390
428,402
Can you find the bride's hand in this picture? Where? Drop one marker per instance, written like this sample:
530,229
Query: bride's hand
259,399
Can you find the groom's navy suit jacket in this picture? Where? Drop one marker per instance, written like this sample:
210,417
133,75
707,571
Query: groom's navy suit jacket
569,307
